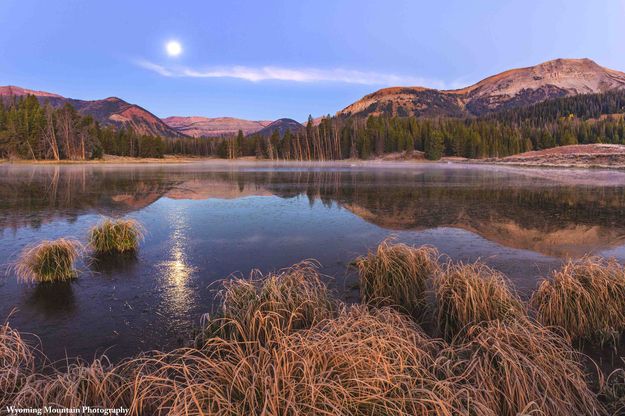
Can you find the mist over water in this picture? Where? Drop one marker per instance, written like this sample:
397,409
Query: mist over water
205,221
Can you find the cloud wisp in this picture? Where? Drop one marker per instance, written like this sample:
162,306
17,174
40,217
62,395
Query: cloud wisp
301,75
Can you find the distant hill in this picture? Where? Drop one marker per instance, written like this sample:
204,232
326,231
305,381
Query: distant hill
281,125
511,89
214,127
111,111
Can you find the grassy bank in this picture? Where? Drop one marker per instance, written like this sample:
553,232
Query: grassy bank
281,344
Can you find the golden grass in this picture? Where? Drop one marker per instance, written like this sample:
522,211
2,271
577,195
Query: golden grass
283,346
252,309
524,368
585,297
363,362
48,261
17,363
116,236
396,274
467,294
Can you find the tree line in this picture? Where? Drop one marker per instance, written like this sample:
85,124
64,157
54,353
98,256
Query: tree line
30,130
33,131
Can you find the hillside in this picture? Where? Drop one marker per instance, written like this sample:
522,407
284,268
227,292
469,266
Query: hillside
510,89
281,125
111,111
214,127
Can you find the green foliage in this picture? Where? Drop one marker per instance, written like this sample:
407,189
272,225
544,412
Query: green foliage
434,146
115,236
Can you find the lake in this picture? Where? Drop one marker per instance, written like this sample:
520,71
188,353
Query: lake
205,221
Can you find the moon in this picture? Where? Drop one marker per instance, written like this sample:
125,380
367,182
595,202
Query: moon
173,48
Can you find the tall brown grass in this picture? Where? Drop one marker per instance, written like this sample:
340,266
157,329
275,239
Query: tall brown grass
116,236
467,294
48,261
586,297
251,309
17,363
283,346
527,369
363,362
396,274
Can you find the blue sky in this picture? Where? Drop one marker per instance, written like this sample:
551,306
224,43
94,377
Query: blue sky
270,59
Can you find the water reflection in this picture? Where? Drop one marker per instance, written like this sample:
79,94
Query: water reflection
113,263
177,271
53,299
556,213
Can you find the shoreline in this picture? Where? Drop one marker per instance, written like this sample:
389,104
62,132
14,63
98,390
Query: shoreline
572,162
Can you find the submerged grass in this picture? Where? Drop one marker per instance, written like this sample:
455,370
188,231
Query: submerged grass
468,294
48,261
585,297
116,236
396,274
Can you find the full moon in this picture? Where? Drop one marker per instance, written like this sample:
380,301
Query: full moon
173,48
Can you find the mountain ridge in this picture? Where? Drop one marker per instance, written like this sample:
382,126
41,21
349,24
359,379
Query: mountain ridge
512,88
111,111
198,126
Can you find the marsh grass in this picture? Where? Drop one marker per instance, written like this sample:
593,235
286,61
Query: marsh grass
467,294
525,368
396,275
48,261
113,236
17,363
361,362
586,297
282,346
253,308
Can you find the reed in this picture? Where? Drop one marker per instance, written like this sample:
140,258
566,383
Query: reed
467,294
116,236
48,261
586,297
396,274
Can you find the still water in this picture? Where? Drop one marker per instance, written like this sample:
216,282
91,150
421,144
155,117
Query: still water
205,221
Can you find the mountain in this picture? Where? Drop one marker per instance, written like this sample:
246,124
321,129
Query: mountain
510,89
214,127
281,125
110,111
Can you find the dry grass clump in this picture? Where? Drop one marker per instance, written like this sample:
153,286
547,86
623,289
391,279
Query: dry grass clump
252,309
468,294
48,261
82,384
585,297
527,369
17,363
396,275
116,236
360,363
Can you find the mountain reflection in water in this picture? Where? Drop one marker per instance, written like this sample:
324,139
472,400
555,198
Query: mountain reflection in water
556,214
